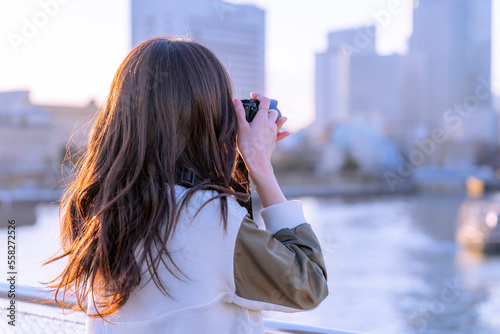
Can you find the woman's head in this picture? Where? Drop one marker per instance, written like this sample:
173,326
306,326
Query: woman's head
169,109
171,101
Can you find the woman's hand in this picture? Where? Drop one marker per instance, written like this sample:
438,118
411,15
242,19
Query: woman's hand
256,142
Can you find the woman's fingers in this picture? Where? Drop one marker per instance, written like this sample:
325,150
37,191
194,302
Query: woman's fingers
264,101
282,135
272,116
240,111
264,104
280,122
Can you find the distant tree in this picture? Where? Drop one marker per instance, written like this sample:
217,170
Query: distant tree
301,159
350,164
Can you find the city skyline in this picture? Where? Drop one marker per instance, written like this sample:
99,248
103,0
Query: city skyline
436,96
68,47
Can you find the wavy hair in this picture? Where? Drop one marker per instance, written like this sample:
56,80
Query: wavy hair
169,109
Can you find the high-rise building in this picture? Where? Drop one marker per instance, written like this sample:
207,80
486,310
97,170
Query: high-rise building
353,81
333,72
453,40
386,89
235,33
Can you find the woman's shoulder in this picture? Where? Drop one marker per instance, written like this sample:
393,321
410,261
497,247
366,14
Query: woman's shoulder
205,198
235,207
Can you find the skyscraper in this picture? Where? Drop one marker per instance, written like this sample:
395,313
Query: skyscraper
353,81
235,33
333,76
453,40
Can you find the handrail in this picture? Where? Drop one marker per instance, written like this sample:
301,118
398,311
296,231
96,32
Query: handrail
280,327
43,296
29,294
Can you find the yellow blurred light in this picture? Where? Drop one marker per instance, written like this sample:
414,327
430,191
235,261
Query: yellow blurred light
475,187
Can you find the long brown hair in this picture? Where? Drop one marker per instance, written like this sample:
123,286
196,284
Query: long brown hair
169,109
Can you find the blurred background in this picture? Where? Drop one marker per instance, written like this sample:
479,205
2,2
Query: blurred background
393,108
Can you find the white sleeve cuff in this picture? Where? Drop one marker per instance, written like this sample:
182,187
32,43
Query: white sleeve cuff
283,215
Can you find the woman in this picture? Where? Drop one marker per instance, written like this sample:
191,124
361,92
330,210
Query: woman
155,226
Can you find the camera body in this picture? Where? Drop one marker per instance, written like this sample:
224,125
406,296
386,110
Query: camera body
252,106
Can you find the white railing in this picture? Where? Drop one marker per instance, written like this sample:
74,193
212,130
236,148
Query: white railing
47,323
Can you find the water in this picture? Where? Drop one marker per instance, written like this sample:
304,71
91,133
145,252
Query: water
393,267
392,263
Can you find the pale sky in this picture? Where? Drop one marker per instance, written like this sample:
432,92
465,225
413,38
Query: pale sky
72,57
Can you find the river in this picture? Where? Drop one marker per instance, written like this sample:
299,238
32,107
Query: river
392,263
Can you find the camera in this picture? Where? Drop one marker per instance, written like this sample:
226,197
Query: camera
252,106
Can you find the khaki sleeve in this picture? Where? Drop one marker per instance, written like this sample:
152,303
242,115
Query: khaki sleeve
282,271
